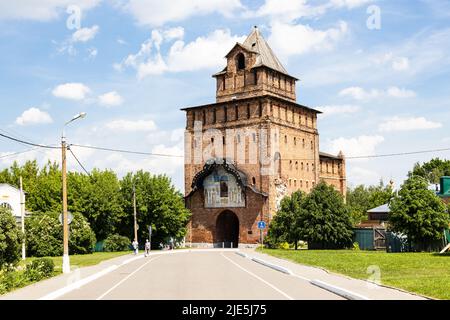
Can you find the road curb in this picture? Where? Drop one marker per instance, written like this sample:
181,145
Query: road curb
339,291
273,266
241,254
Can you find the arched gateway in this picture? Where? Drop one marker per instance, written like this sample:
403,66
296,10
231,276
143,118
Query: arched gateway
227,230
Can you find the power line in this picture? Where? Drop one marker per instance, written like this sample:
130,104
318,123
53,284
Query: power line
128,151
17,153
28,143
73,154
180,156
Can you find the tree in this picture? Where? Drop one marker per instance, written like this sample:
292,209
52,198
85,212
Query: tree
285,225
158,205
362,198
98,198
419,214
44,235
431,170
324,219
10,238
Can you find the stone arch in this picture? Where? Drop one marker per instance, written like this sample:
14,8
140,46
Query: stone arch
227,230
240,61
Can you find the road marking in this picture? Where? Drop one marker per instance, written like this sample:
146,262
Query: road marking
258,277
127,277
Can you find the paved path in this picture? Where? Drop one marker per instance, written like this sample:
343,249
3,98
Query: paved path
197,274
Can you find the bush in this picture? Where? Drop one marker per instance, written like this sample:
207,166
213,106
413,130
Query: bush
116,242
10,280
284,246
10,239
39,269
356,246
44,235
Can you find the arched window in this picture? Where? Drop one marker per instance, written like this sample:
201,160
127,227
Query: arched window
248,110
223,189
240,61
290,164
254,180
296,165
295,141
236,111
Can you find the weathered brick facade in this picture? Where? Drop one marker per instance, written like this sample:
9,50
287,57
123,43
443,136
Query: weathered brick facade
270,143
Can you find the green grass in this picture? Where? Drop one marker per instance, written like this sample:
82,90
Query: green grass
82,260
17,279
423,273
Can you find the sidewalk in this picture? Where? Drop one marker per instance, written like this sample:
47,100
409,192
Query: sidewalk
39,289
361,287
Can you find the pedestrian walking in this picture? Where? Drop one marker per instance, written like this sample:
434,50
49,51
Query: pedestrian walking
147,248
135,247
171,243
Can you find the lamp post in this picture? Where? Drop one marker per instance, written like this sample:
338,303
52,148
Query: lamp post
66,260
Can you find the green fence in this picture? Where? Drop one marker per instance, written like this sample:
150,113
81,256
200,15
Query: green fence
364,238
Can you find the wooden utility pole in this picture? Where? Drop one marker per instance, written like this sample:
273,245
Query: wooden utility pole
66,262
134,211
22,211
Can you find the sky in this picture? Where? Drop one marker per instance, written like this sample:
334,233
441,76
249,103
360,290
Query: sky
379,70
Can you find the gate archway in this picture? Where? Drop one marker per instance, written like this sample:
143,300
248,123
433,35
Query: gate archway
227,230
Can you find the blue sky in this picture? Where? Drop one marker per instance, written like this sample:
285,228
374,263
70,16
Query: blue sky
131,65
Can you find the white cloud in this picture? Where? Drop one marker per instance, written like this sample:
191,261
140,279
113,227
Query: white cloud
356,146
44,10
338,109
286,10
110,99
85,34
157,13
202,53
131,125
359,93
34,116
408,124
358,175
71,91
349,4
400,64
92,52
294,39
400,93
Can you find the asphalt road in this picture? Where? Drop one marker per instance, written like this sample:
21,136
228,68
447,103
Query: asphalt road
198,275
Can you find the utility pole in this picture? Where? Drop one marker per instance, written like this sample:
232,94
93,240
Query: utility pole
134,211
22,211
66,259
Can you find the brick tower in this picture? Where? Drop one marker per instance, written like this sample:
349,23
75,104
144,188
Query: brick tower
250,148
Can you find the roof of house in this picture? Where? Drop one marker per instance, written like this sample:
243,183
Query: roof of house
256,43
340,156
380,209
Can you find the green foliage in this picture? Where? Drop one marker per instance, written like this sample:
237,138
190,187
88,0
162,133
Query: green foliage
103,199
356,246
284,246
361,199
116,242
98,198
45,235
285,225
10,239
11,279
325,220
39,269
431,170
418,213
158,205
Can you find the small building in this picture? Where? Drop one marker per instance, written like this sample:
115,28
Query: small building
444,189
10,198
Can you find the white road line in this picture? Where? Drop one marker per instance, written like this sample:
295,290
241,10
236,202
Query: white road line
127,277
258,277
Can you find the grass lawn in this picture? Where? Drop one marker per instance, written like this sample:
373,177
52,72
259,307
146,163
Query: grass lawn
13,280
83,260
422,273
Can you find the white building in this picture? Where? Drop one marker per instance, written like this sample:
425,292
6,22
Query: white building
10,198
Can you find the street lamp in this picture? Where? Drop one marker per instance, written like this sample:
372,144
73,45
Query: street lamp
66,260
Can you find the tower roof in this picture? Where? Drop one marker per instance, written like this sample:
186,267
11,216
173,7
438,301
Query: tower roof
255,42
